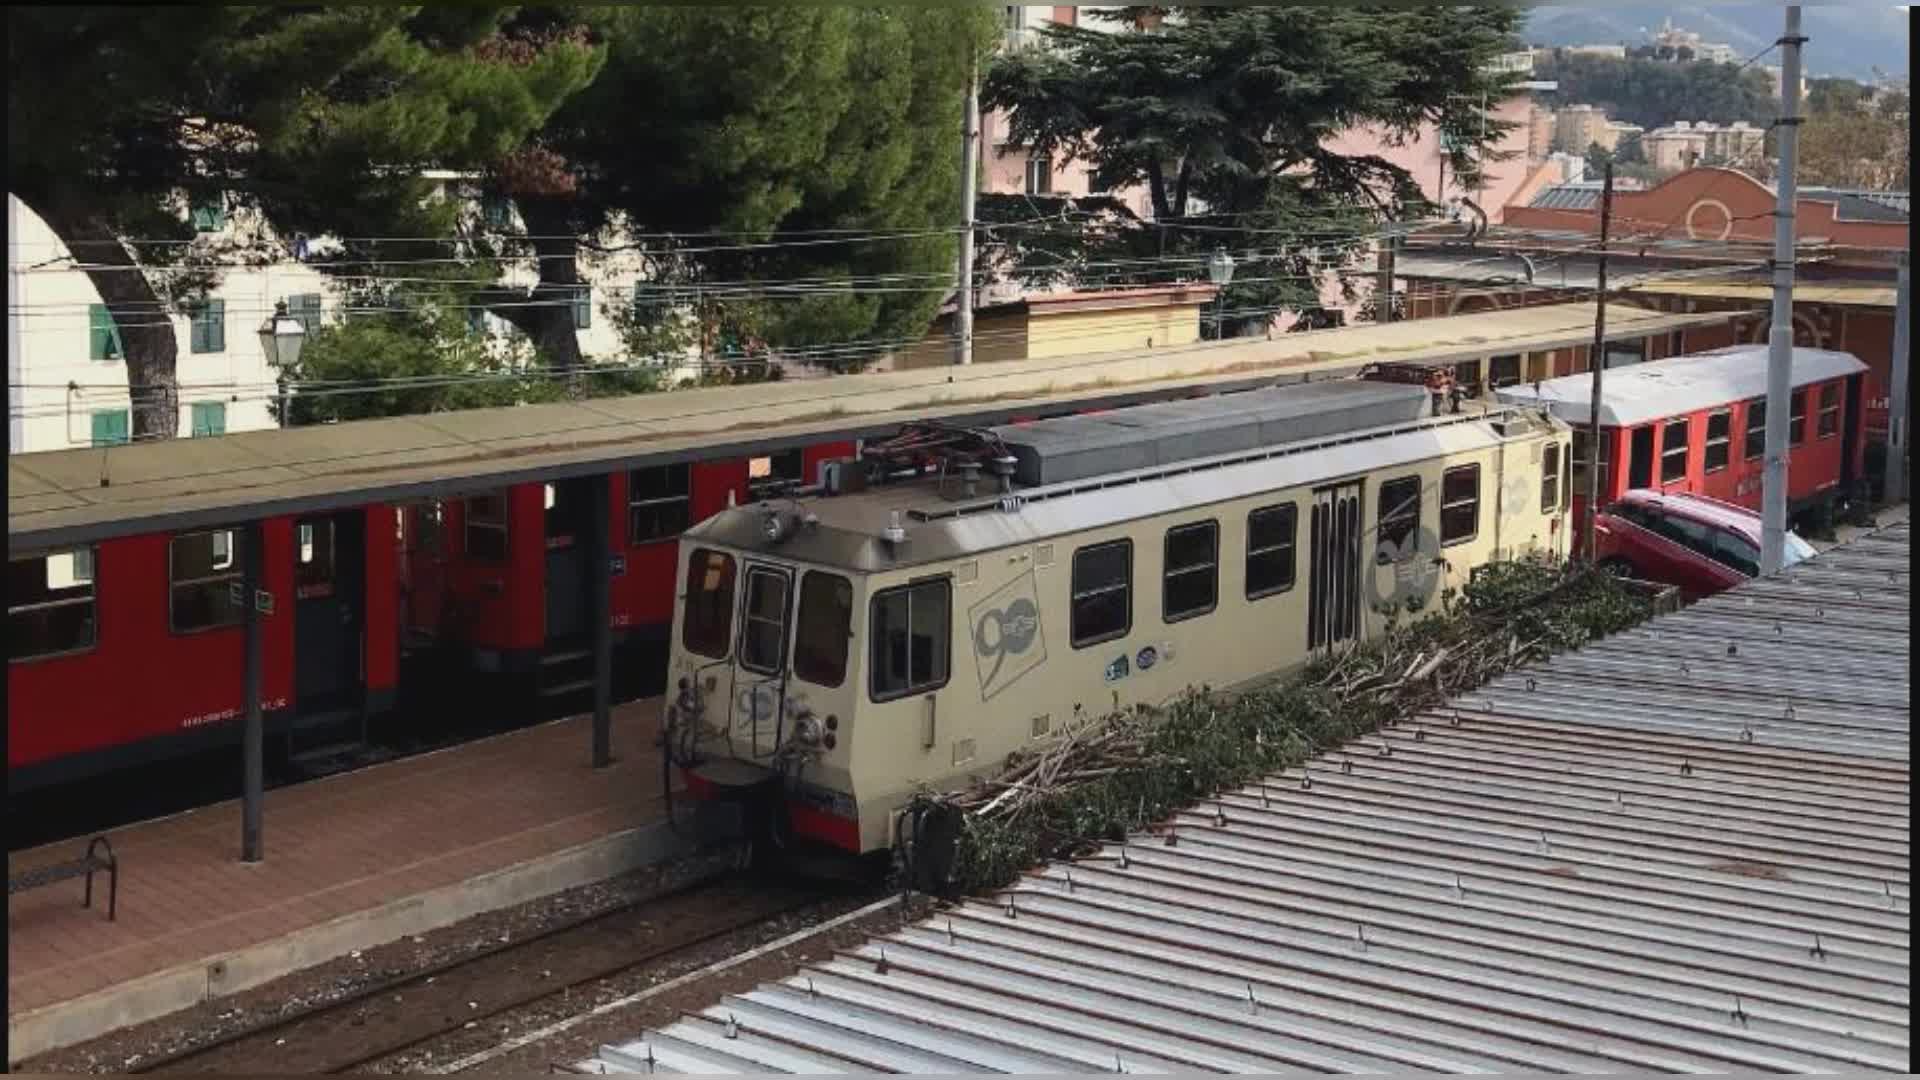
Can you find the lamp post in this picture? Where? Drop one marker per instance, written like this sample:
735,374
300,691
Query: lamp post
1220,272
281,338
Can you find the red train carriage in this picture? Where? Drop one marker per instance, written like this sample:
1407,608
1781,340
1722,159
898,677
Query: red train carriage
134,649
1698,424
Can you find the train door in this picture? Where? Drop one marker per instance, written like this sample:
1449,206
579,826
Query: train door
1333,595
423,571
1640,458
569,514
760,694
329,578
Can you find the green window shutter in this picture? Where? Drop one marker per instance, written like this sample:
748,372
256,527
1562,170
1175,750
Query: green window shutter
110,427
306,308
210,216
477,318
583,307
209,418
103,334
210,327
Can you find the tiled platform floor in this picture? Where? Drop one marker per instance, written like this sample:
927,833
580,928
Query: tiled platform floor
333,847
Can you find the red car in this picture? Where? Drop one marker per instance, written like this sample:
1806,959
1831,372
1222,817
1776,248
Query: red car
1701,544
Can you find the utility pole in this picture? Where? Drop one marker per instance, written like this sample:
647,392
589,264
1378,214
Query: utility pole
1597,362
1773,492
1383,292
969,170
1897,405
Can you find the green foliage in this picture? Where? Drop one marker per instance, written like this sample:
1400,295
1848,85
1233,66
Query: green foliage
1849,141
1653,93
1207,743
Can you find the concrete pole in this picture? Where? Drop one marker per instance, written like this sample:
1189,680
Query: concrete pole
600,565
1773,493
1596,363
253,749
1897,407
969,170
1383,292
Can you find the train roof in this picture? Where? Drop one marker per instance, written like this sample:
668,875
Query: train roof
942,523
1673,387
81,495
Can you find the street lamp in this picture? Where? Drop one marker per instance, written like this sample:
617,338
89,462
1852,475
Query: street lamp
1220,271
281,337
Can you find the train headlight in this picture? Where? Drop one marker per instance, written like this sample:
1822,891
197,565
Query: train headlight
807,730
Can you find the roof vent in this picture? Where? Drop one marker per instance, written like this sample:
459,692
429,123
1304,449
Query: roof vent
894,533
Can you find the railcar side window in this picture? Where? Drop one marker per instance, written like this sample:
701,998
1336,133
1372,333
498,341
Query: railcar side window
205,567
707,627
912,631
1399,516
1719,439
1271,531
1829,419
659,503
1673,452
763,625
486,517
1550,478
1102,593
50,605
1191,585
1459,504
1582,448
1503,371
823,629
1756,436
1797,419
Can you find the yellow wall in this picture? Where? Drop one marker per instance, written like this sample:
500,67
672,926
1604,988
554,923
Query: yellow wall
1068,332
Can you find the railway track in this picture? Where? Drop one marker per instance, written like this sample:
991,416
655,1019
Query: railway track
408,1012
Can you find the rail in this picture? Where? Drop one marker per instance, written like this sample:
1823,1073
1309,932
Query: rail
93,862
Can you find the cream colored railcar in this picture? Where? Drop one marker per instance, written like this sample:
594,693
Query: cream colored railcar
859,646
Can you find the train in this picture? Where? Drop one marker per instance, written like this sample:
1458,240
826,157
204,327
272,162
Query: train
955,595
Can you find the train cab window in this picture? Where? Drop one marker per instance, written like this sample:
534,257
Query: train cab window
1719,440
1459,504
1503,371
486,527
1271,532
659,503
1673,451
1399,516
50,606
776,470
313,558
1829,418
1190,586
706,627
1756,434
1797,419
204,568
763,624
912,632
1550,478
1102,593
823,629
1582,453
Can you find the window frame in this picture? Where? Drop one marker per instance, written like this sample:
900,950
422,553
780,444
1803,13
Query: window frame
1291,547
1684,450
1380,517
306,307
91,599
237,539
1824,412
207,408
1797,418
684,470
1577,461
582,307
1495,380
1550,478
846,631
103,334
319,585
207,327
469,522
209,216
784,620
701,554
1724,443
1754,440
1471,469
1167,573
945,583
1075,594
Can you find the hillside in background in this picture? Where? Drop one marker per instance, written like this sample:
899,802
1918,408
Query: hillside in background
1847,40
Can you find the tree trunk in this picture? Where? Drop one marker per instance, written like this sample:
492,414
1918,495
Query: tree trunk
145,323
1180,188
545,313
1157,187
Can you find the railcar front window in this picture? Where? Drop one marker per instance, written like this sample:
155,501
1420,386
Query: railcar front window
1673,452
1399,516
1191,586
912,632
707,626
1829,419
1459,504
486,528
1719,441
823,629
50,604
659,503
1102,593
205,567
1550,478
763,627
1271,532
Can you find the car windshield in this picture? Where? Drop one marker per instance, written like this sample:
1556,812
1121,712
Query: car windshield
1796,550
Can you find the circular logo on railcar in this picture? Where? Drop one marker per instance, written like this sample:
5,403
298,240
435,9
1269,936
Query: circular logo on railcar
1007,636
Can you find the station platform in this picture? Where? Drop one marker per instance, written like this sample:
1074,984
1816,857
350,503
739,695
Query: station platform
351,861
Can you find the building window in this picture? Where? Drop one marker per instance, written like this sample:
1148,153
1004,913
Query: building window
1039,175
1102,593
103,334
1398,512
486,527
110,427
824,628
306,308
763,625
209,418
1797,419
1756,435
659,503
1459,504
50,608
1582,451
209,333
912,630
1190,583
583,307
1550,478
1719,440
210,215
1829,418
496,211
1673,451
706,626
1503,371
205,567
1271,532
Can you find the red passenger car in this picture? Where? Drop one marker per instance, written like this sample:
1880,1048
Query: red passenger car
1698,424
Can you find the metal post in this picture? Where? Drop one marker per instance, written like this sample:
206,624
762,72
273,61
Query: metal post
1897,407
1597,362
254,741
969,167
1773,492
1383,300
600,564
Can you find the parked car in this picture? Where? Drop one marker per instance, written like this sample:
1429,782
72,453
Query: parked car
1701,544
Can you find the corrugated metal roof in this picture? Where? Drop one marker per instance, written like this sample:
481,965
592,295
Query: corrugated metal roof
1574,196
1594,872
1857,205
1682,384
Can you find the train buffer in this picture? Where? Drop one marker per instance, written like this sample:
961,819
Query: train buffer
98,859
